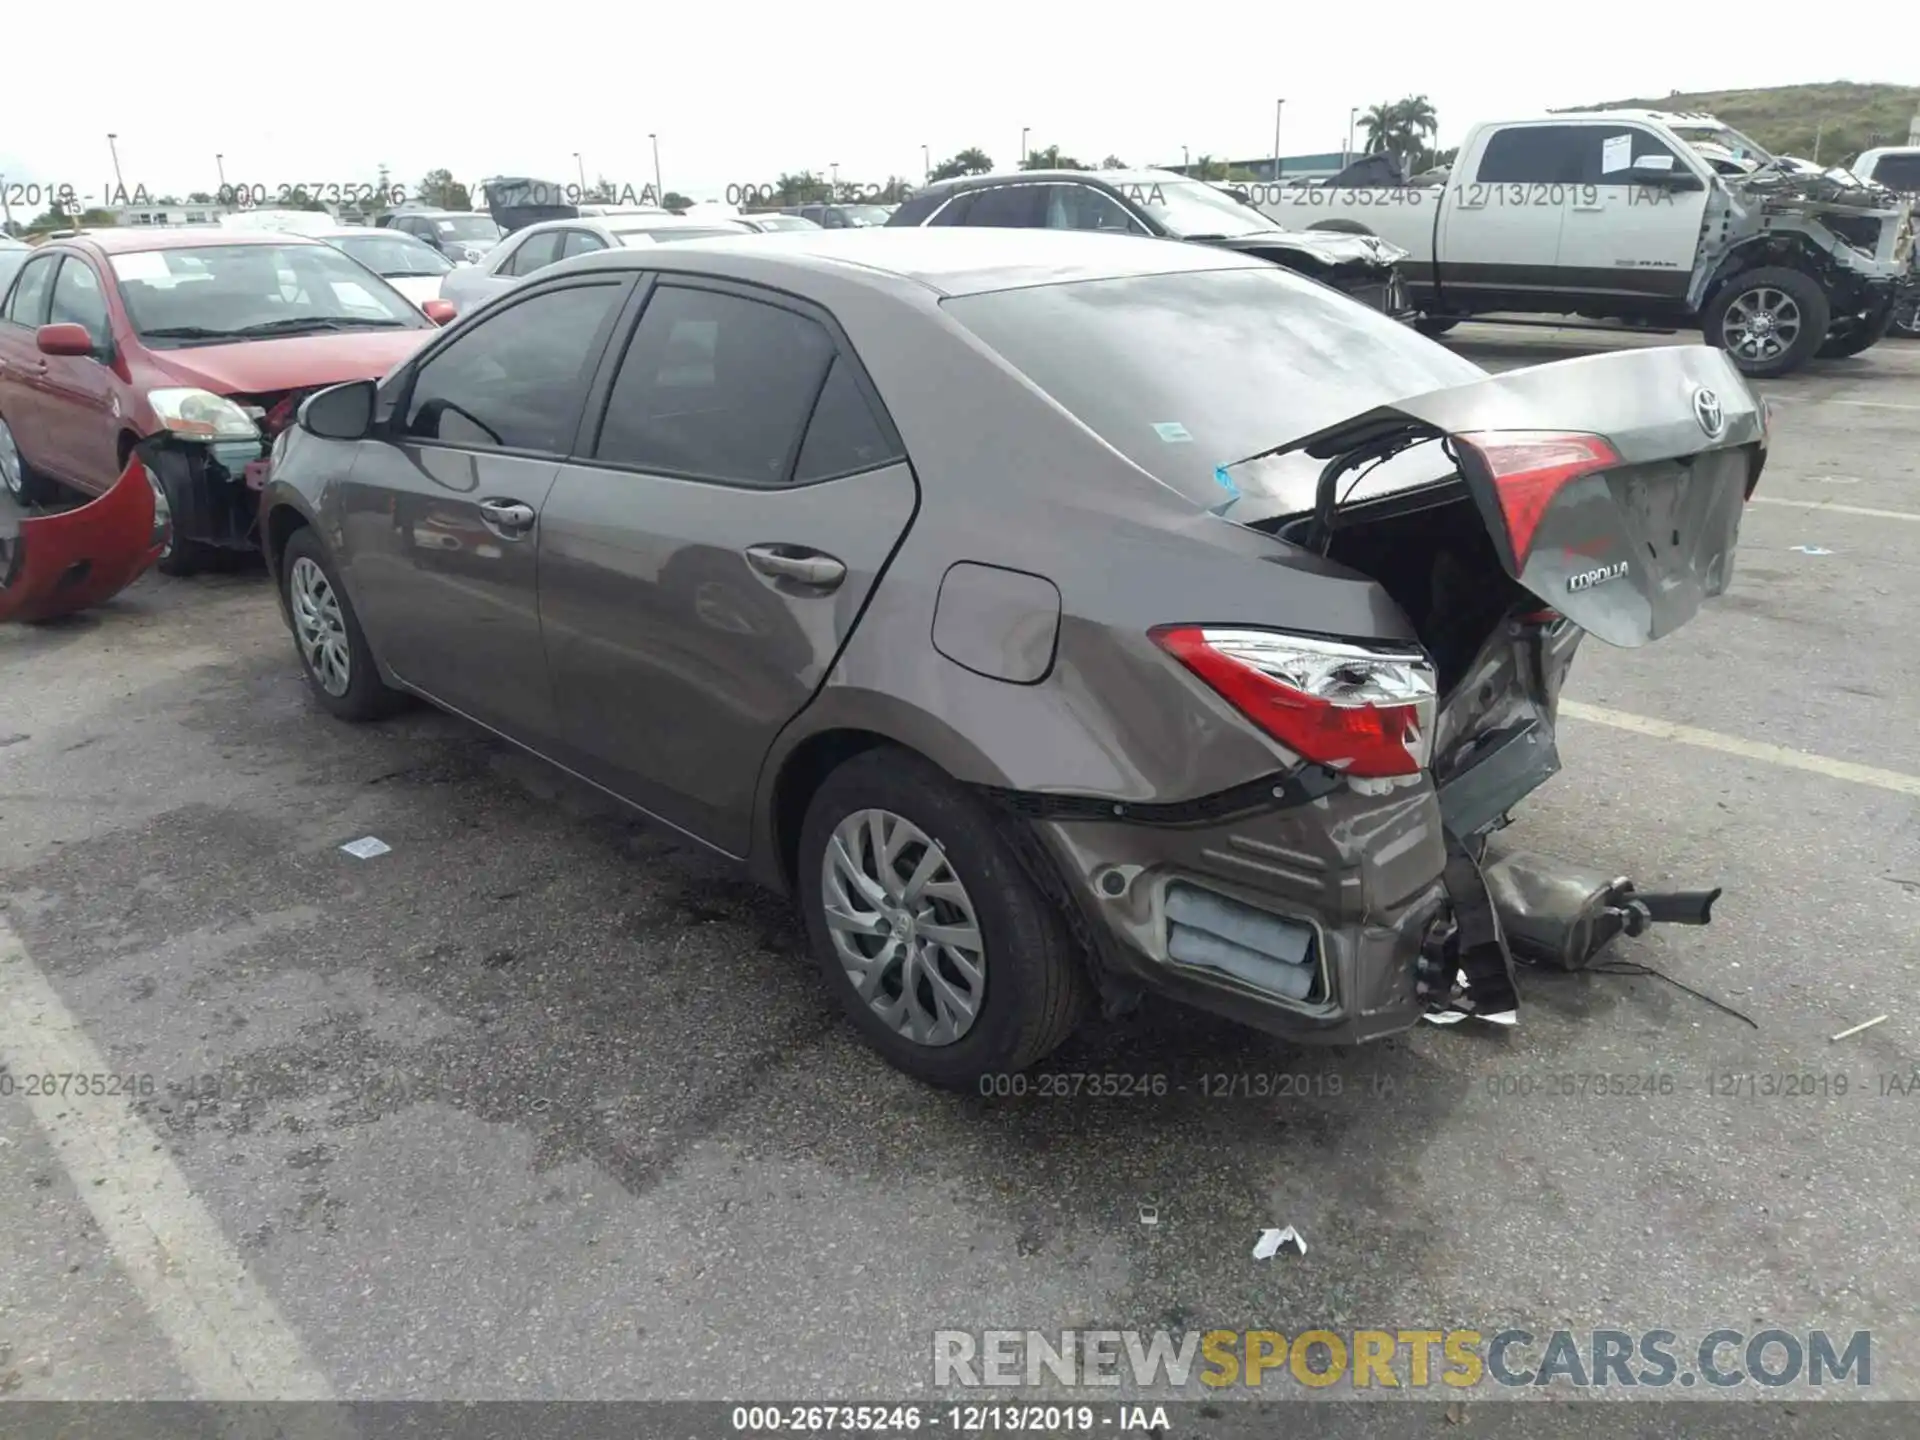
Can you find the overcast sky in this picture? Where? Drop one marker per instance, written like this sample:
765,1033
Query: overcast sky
740,93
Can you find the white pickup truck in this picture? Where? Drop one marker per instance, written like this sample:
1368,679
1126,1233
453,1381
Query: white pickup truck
1616,215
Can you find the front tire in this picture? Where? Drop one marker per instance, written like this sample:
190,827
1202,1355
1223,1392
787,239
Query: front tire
1770,321
333,649
949,959
172,480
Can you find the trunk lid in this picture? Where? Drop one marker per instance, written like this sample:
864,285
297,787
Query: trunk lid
1611,486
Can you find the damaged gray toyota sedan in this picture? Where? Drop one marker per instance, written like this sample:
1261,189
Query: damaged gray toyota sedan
1059,618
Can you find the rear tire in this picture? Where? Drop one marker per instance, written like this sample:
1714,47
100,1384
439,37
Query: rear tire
1770,321
1028,987
23,485
1906,316
1434,326
328,638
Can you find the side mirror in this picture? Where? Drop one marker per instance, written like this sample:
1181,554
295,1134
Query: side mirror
340,412
440,312
64,339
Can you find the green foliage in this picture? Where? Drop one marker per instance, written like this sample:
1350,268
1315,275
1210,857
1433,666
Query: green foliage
971,161
438,188
676,202
1400,128
1841,117
1051,159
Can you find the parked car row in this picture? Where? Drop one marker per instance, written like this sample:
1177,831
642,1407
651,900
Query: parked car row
1061,619
1159,203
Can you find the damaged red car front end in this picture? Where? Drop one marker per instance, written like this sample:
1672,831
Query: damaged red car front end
56,564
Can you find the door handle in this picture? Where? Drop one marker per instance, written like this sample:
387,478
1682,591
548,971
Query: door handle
507,514
797,563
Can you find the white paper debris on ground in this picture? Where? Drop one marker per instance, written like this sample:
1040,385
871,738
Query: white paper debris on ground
1271,1241
1149,1214
1863,1025
1810,549
366,847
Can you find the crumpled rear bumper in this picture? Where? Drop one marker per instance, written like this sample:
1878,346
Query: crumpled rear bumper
1304,919
65,562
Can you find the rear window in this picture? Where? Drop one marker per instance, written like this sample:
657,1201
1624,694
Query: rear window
1899,172
1185,373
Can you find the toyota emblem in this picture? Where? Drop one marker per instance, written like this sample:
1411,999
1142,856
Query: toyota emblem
1706,409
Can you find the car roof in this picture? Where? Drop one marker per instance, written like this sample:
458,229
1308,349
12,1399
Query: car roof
125,242
1103,177
950,260
352,232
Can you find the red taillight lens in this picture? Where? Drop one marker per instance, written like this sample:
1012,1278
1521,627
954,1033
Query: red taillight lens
1528,468
1353,708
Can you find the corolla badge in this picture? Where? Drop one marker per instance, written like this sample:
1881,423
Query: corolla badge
1706,409
1587,579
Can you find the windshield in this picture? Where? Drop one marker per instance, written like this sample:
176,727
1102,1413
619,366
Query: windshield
1186,373
862,216
389,253
665,233
1727,139
1899,172
207,293
466,227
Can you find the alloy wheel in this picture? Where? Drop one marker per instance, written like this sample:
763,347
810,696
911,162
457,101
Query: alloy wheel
1761,324
903,927
319,626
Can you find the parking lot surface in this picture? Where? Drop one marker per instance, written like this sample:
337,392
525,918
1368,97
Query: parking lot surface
543,1103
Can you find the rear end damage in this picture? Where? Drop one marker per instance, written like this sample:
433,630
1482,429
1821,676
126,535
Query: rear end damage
1341,899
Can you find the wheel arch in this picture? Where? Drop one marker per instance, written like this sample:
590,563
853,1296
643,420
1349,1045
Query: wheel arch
1787,249
837,727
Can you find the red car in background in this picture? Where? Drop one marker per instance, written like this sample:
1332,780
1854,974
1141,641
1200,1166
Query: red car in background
188,352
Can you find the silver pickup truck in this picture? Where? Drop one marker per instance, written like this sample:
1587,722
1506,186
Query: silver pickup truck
1642,217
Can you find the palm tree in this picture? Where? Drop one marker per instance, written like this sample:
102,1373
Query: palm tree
1381,127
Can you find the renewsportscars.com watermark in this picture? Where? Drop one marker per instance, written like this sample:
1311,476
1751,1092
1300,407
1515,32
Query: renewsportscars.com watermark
1209,1361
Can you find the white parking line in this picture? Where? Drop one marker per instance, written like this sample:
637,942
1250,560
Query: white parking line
1841,509
225,1330
1862,404
1893,780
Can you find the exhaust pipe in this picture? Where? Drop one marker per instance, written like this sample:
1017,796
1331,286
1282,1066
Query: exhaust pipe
1560,915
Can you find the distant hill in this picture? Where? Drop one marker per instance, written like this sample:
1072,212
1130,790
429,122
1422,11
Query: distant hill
1844,118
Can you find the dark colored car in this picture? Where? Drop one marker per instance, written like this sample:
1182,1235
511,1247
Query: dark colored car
463,236
1165,204
1012,601
189,350
841,217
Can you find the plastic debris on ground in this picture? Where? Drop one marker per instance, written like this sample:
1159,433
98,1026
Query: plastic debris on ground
1149,1214
1863,1025
1810,549
1271,1242
366,847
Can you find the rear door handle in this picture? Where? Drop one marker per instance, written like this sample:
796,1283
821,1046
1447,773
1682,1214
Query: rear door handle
797,563
508,515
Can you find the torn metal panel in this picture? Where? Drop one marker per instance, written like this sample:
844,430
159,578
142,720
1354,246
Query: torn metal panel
62,563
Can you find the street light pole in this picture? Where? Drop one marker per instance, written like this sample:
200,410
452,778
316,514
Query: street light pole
926,165
1346,155
659,191
1186,161
1023,147
220,164
119,184
1278,106
580,169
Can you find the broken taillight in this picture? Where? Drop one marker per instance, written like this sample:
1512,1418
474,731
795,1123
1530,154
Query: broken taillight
1354,708
1528,468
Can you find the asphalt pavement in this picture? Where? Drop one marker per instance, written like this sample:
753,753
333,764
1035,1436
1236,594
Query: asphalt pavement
543,1104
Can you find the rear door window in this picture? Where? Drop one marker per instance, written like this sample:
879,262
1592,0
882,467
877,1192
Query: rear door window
536,252
717,386
1608,154
581,242
1015,207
